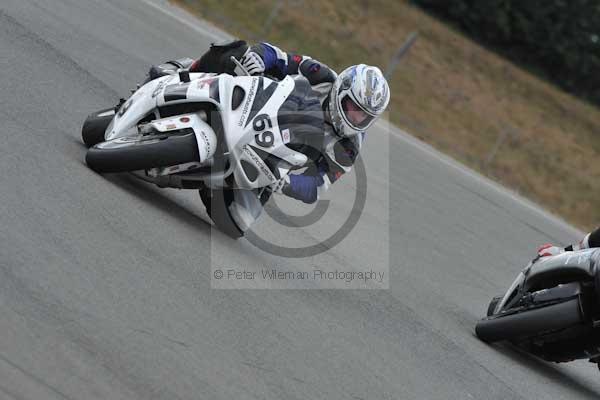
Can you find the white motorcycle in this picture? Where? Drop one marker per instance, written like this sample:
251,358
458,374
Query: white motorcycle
214,132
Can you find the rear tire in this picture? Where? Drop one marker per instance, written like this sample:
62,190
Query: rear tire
95,125
217,203
530,323
142,152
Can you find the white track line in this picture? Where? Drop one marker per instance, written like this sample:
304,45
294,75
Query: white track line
190,20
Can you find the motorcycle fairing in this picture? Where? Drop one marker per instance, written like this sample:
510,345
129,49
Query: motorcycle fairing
250,128
557,268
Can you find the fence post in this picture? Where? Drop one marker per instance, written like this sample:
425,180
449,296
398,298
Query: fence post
504,134
272,15
400,53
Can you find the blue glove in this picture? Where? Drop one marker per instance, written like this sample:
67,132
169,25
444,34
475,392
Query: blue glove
253,63
304,187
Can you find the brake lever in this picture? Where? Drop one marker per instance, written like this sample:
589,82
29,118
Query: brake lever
239,65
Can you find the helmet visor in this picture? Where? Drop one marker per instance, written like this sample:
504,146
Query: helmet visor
355,115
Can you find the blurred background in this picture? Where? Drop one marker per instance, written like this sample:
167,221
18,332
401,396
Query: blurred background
508,87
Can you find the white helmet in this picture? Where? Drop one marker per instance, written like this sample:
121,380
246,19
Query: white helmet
359,95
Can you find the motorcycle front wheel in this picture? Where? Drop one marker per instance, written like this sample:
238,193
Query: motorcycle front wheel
142,152
527,323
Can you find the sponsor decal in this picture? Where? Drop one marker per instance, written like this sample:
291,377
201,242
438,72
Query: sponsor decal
206,142
285,135
159,88
259,163
184,119
170,127
263,94
248,101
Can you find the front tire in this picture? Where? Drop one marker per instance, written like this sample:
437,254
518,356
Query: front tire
530,322
142,152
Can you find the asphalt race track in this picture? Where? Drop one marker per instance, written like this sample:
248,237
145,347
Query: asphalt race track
105,281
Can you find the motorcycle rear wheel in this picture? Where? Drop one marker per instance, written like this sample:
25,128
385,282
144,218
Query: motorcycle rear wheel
217,202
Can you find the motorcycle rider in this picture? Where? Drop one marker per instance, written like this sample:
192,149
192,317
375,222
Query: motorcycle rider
341,107
351,102
590,240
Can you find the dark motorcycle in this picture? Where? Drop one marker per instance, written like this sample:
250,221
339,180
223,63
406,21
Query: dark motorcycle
552,309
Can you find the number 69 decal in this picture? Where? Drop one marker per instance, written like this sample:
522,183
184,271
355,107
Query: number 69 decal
265,138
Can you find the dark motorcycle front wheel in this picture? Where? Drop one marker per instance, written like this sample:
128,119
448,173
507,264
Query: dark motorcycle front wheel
527,323
142,152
